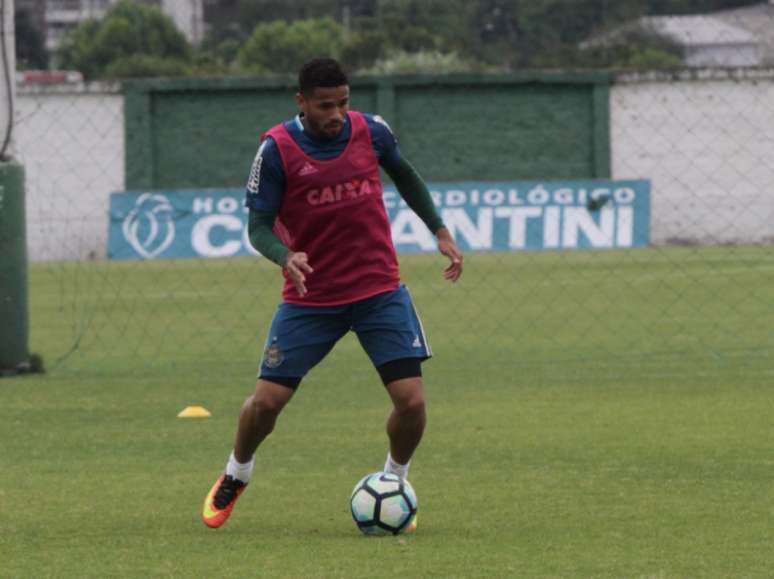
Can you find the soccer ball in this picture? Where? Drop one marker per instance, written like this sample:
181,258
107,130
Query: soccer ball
382,504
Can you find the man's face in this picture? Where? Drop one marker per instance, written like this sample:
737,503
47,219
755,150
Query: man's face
325,110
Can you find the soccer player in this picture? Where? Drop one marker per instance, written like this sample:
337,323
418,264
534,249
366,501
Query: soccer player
316,209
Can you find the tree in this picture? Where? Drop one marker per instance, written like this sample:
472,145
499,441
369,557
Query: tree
546,33
426,25
373,28
362,49
282,47
131,38
637,49
146,66
236,19
276,36
254,12
422,62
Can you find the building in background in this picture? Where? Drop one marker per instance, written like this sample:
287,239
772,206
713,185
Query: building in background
758,20
61,16
706,41
702,41
740,37
35,9
188,16
56,18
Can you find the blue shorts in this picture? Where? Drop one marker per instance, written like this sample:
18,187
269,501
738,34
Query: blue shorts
386,324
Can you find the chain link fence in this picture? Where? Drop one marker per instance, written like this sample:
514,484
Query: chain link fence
699,296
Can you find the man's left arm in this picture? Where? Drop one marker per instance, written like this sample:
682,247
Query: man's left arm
414,191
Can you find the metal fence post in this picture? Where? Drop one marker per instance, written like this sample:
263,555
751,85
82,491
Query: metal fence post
14,307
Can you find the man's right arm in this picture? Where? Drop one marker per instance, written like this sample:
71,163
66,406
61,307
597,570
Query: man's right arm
263,238
265,189
260,228
263,195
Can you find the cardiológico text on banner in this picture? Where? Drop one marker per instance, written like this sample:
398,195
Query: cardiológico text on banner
482,216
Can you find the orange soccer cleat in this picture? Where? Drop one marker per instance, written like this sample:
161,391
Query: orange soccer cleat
220,500
412,526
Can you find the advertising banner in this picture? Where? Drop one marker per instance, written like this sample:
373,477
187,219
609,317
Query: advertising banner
482,216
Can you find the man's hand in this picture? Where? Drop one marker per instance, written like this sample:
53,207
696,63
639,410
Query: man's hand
296,267
447,246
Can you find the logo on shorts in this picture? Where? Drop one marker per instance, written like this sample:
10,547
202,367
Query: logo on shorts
273,356
417,343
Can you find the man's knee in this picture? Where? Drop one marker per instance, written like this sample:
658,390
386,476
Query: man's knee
415,404
265,406
269,399
409,399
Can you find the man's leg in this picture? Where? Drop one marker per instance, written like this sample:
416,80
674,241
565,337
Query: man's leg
406,422
258,416
299,338
405,427
256,421
390,331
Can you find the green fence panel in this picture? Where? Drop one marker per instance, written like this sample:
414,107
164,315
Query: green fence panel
199,134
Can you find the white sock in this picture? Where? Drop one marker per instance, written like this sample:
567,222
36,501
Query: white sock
393,467
238,470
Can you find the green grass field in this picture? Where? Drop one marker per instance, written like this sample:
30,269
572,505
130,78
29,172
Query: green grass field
591,414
